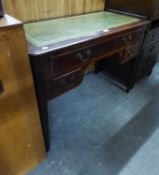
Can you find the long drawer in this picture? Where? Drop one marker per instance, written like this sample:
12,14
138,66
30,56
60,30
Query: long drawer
69,61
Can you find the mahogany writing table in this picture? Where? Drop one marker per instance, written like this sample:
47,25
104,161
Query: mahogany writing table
61,50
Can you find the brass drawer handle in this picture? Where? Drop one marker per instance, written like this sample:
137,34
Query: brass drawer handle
88,52
68,81
83,57
128,39
1,87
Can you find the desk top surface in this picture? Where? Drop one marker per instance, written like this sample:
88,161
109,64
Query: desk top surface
49,32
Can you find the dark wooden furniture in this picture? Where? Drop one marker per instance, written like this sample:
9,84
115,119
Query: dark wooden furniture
21,140
1,9
149,50
145,8
60,67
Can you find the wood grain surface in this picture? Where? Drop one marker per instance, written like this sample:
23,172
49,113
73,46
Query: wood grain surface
31,10
21,140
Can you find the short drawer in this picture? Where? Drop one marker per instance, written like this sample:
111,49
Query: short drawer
128,54
145,70
67,82
63,63
148,55
152,36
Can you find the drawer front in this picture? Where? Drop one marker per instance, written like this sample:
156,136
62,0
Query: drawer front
147,61
66,82
67,62
149,55
128,54
145,71
152,36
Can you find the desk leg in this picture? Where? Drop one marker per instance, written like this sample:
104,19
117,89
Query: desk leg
42,99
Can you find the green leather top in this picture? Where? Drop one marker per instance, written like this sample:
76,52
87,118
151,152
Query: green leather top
53,31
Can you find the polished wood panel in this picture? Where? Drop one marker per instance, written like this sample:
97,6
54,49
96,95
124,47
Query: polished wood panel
21,140
147,8
31,10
